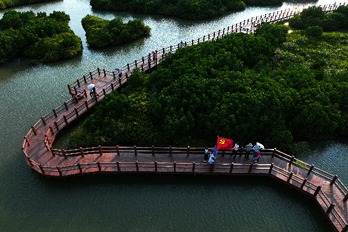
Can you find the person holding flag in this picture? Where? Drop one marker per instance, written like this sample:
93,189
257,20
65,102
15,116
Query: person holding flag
224,144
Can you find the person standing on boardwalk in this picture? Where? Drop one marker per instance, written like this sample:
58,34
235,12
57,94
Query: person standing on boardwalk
235,150
212,158
248,149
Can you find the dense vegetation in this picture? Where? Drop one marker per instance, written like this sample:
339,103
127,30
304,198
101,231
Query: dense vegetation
273,87
10,3
103,33
40,37
187,9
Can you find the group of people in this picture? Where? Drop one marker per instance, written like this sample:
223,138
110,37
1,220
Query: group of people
210,156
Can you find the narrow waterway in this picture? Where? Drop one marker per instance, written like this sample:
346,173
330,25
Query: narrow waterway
29,202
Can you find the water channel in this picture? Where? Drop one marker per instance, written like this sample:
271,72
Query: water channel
29,202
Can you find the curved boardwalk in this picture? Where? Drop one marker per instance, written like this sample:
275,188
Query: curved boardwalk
329,192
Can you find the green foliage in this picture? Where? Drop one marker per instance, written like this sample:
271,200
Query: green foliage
316,17
247,87
11,3
41,37
103,33
189,9
313,32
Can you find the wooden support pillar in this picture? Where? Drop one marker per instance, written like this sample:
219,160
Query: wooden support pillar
104,92
317,191
303,183
112,87
290,176
171,47
270,168
113,75
333,180
59,171
136,63
86,104
330,208
69,88
98,71
78,84
100,151
153,150
188,151
174,164
250,167
99,167
79,166
104,72
193,167
310,170
155,166
192,42
137,165
91,75
119,81
128,67
65,119
231,169
135,150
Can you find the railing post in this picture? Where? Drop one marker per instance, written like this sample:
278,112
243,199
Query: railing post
34,130
193,167
317,191
117,150
170,151
291,160
43,121
104,72
51,129
59,171
303,183
69,89
153,150
64,154
78,84
232,164
333,180
330,208
137,165
100,150
155,166
345,198
310,170
81,151
66,106
56,124
98,71
289,178
65,119
270,168
174,166
27,141
42,170
135,150
273,153
188,151
76,112
99,167
250,167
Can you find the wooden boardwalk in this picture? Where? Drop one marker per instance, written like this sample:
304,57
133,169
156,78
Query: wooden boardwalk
329,192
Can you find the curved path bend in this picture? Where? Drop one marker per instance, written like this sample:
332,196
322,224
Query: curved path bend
328,191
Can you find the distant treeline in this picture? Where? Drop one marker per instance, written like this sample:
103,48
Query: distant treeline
103,33
187,9
42,37
272,86
11,3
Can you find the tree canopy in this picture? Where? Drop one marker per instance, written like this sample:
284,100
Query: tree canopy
11,3
42,37
104,33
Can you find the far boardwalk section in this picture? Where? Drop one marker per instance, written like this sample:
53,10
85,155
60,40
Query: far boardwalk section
328,191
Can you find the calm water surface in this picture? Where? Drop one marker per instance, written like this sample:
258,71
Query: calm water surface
29,202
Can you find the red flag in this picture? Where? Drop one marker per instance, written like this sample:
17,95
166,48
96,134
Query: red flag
224,144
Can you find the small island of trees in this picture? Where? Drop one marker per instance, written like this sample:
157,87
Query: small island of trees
41,37
102,33
271,86
11,3
186,9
